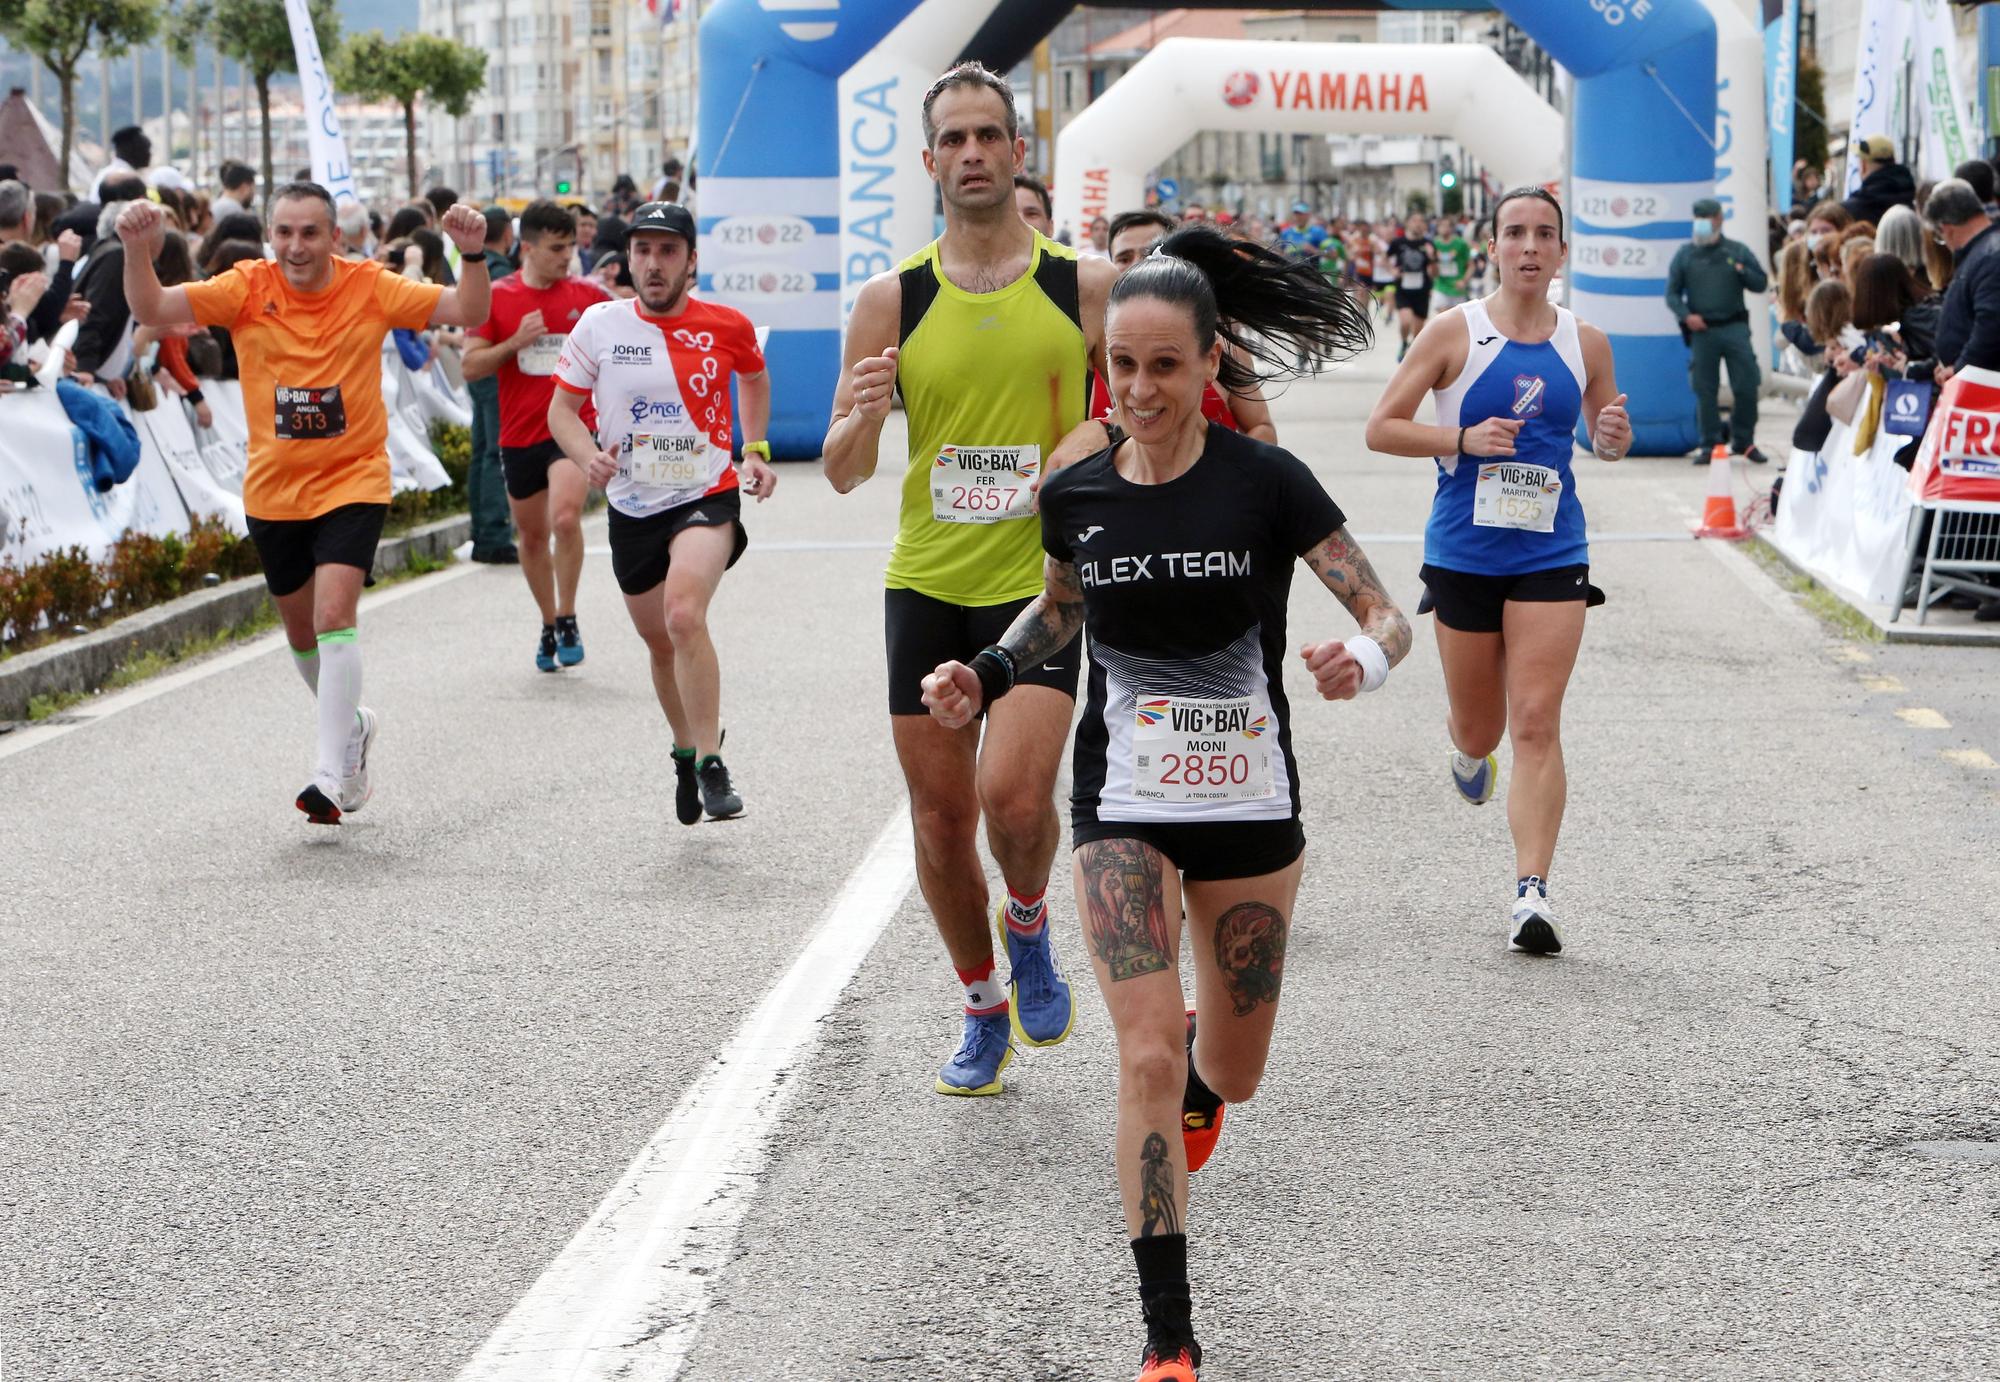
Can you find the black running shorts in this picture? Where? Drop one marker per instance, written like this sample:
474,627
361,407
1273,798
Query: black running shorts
292,549
641,547
1209,851
1472,604
1418,300
527,468
922,633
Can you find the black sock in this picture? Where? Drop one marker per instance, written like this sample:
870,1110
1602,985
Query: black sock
1164,1297
1199,1098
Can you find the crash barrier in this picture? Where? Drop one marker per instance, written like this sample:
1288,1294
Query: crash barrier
49,500
1859,522
1954,538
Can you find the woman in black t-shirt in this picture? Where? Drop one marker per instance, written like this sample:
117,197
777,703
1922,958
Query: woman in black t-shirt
1174,549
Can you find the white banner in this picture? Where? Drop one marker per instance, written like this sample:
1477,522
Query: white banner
1907,65
331,168
168,432
1845,518
48,501
1947,118
47,491
1878,97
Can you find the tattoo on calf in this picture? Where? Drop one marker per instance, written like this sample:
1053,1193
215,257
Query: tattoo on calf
1125,909
1157,1211
1250,952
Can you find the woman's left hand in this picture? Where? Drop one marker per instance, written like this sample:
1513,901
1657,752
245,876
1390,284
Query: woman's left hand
1613,437
1335,671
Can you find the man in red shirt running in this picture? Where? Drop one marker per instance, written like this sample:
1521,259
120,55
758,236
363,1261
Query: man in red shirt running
533,312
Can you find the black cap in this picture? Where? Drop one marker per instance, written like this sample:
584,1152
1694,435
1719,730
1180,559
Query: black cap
671,217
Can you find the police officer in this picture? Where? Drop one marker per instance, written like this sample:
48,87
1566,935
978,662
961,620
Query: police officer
1707,287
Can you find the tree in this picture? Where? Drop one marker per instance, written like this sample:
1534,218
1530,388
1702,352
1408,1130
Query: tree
1809,117
60,32
376,68
257,34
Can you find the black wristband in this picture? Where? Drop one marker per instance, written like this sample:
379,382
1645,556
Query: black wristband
193,396
1461,441
994,666
479,258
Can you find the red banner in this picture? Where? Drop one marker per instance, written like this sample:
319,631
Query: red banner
1959,461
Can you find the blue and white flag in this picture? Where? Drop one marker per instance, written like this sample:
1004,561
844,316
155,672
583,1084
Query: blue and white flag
326,145
1781,77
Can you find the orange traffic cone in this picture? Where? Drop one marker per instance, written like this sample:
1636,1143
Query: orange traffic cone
1718,515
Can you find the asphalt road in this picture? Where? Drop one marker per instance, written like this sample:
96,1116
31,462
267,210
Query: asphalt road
294,1104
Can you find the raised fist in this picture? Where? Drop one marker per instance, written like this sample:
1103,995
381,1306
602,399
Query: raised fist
142,226
466,226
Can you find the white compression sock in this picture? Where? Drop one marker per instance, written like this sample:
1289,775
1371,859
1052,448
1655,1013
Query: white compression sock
308,665
339,699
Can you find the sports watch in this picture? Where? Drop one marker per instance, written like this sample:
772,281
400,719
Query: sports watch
759,448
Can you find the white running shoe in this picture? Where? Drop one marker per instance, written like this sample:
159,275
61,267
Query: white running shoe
1533,930
355,788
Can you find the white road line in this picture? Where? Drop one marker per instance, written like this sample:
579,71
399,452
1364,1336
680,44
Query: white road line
626,1298
104,707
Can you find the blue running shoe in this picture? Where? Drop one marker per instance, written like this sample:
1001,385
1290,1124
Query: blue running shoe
1475,778
569,642
545,651
984,1053
1041,1006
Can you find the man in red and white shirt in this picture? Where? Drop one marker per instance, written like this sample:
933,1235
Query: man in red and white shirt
657,368
533,313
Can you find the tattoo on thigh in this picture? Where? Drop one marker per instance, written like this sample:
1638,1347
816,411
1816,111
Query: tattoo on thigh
1157,1212
1125,909
1250,952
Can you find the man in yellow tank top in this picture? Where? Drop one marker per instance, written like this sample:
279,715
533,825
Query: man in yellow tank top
988,334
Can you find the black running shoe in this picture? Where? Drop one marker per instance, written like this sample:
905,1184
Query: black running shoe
687,791
545,651
718,797
320,808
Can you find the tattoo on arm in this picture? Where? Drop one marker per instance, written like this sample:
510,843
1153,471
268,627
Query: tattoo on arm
1157,1211
1046,627
1344,569
1250,952
1126,909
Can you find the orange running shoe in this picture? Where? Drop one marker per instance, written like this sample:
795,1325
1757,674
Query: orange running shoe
1176,1363
1200,1127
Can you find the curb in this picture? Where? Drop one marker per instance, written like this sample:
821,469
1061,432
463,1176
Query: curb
83,664
1961,632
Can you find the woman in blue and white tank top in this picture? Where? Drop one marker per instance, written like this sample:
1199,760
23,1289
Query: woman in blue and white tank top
1506,562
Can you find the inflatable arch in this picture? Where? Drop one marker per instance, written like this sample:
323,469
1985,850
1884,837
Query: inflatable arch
1187,85
777,148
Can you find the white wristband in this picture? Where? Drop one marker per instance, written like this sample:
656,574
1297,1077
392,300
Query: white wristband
1374,662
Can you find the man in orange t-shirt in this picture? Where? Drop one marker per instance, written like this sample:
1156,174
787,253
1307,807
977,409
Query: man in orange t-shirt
308,328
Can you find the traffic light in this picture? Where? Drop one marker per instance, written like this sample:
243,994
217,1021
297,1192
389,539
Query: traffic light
563,186
1447,175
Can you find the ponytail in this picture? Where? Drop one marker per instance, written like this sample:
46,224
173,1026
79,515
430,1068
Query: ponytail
1273,308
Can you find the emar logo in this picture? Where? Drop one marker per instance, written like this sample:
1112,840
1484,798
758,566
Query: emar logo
1239,89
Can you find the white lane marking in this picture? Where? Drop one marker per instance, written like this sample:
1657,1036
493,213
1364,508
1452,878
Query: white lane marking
626,1298
90,712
